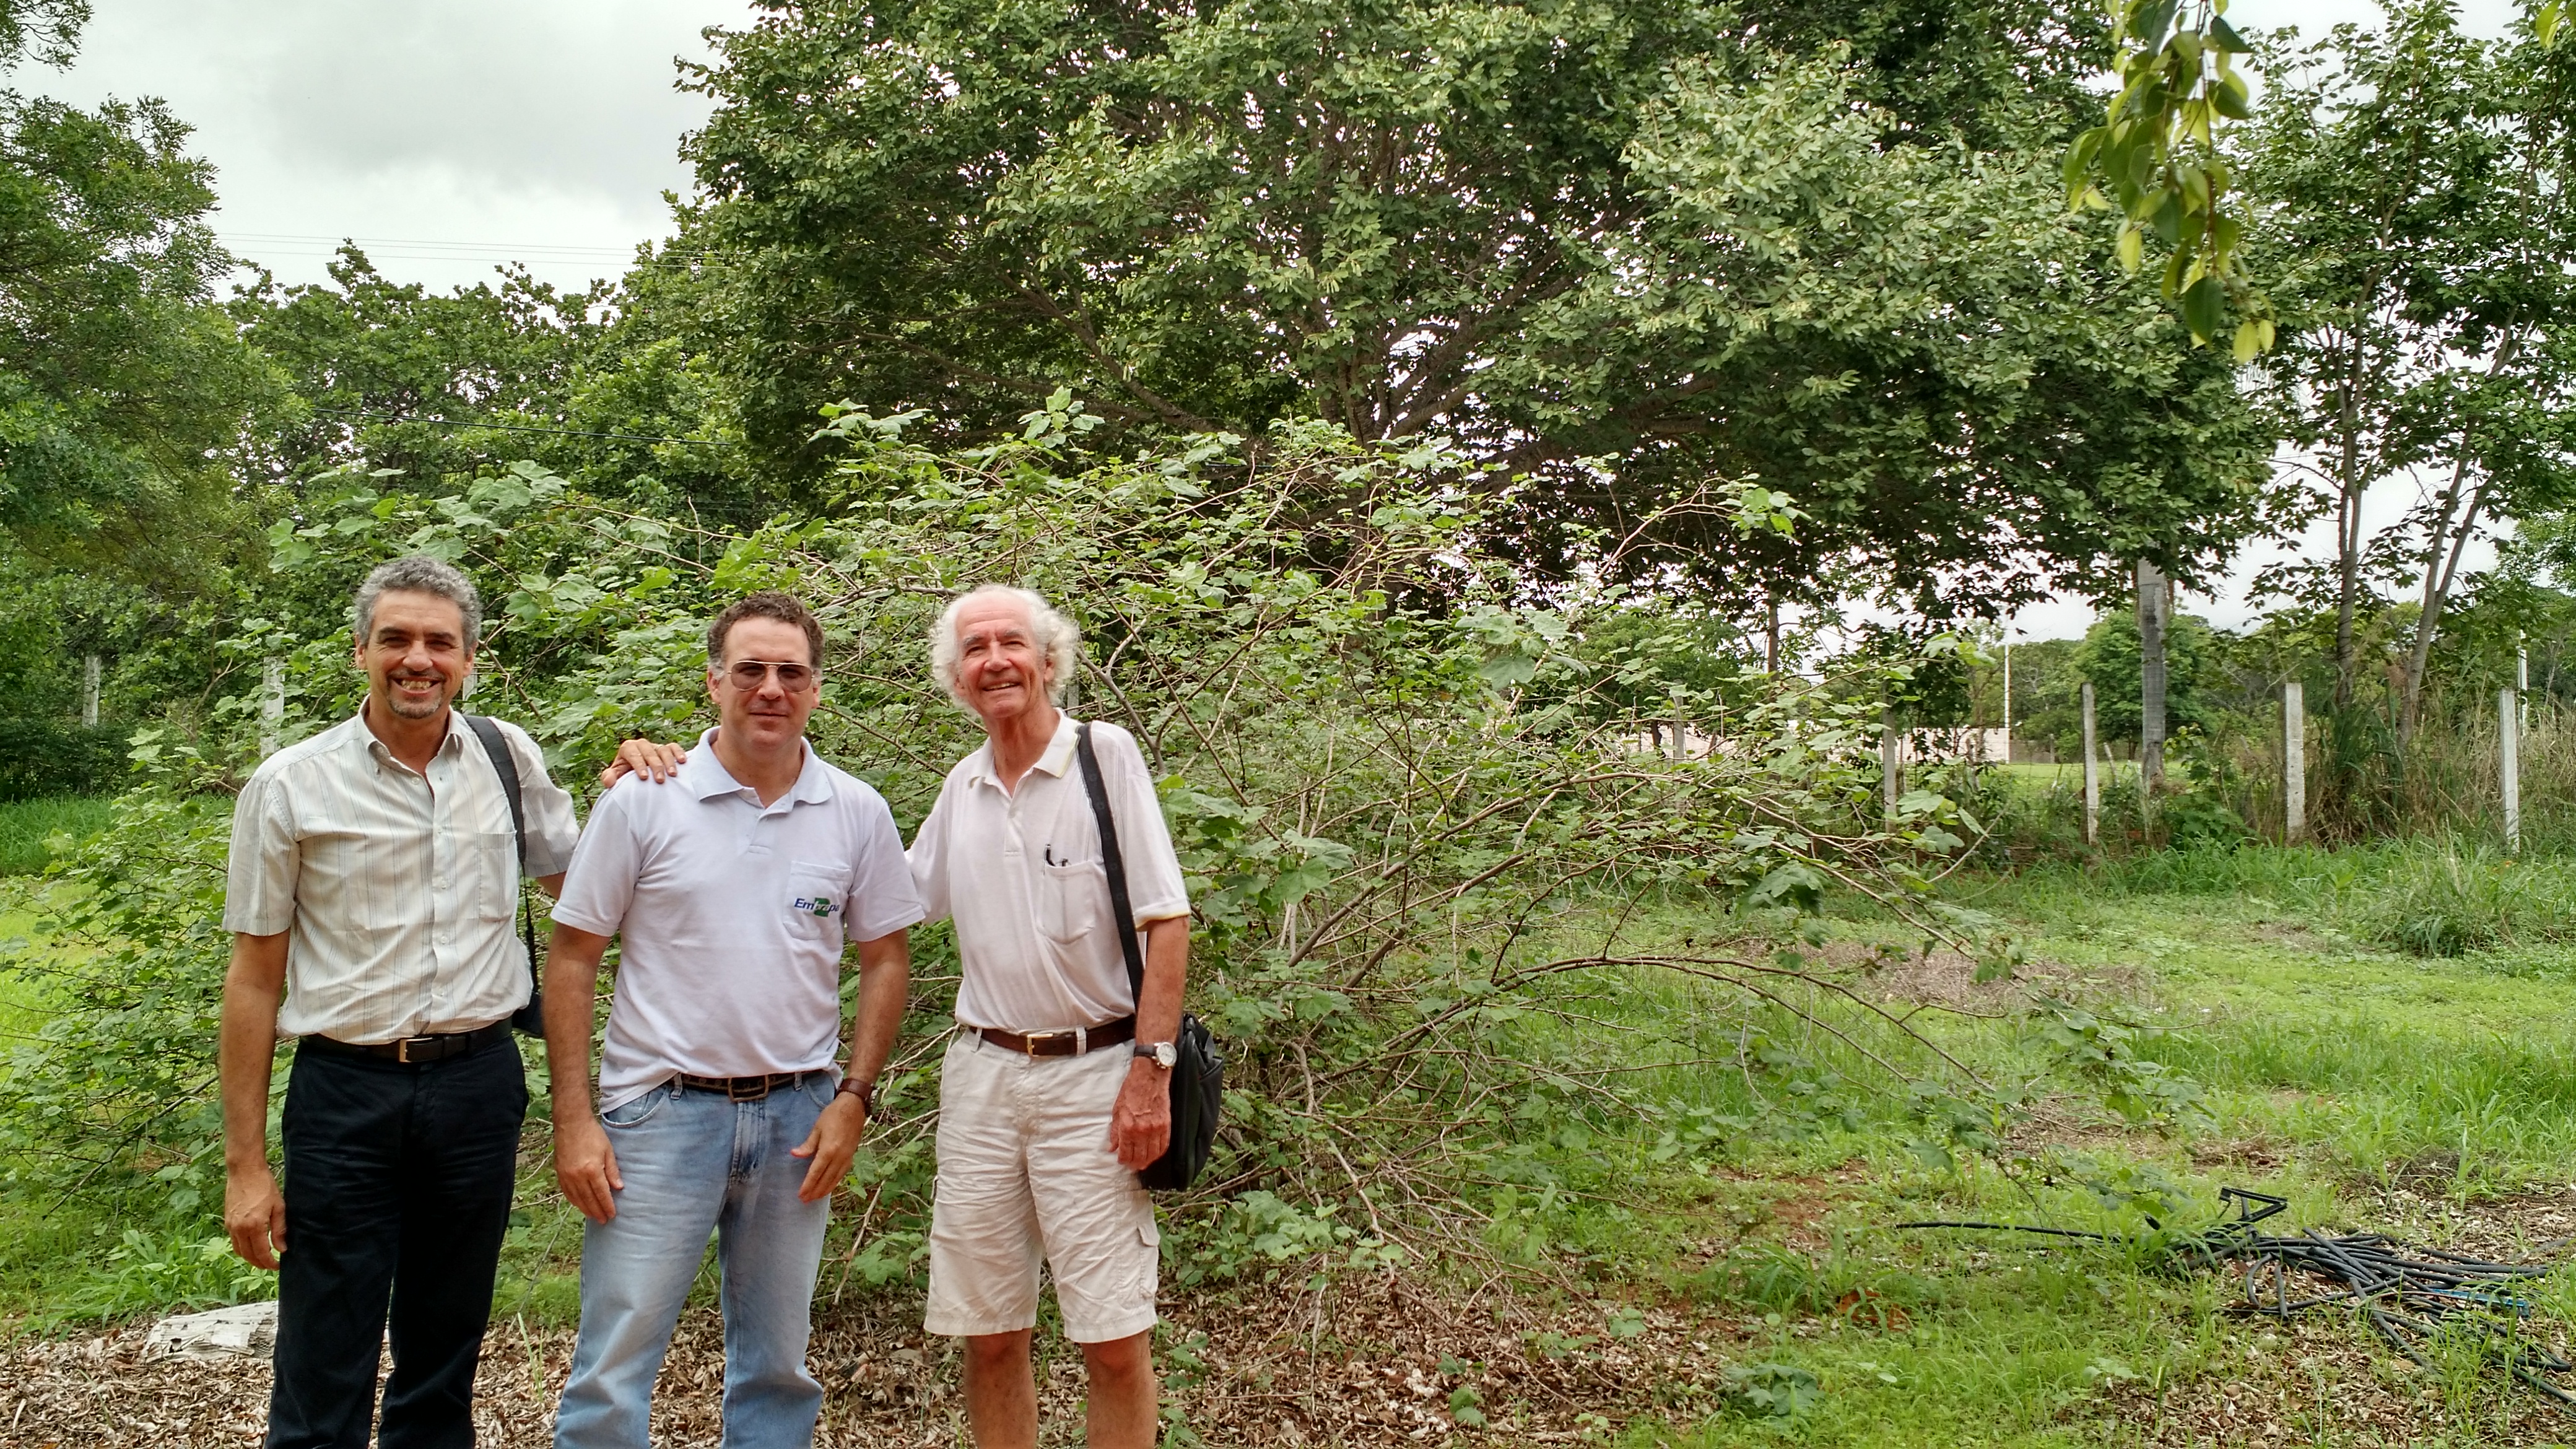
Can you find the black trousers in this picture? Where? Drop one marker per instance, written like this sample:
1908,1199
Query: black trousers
397,1188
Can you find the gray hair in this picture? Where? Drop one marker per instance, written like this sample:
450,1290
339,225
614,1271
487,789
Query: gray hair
418,573
1055,635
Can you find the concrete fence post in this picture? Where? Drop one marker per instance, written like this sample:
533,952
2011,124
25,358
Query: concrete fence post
2509,768
272,704
2294,763
2092,775
1890,765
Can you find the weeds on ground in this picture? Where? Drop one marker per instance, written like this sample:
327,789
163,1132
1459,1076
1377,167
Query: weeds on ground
28,828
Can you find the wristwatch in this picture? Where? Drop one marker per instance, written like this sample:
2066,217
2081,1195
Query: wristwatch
1163,1053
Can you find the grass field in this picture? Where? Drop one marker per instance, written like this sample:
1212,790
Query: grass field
25,826
2429,1096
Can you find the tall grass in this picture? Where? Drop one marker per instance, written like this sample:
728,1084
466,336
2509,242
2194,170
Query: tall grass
2361,785
26,826
2430,896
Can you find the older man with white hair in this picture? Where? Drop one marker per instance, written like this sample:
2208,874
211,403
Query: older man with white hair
1057,1090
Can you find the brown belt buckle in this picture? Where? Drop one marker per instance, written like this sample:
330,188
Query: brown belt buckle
746,1089
1030,1042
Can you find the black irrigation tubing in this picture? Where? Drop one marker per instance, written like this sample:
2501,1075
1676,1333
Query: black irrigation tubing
2407,1295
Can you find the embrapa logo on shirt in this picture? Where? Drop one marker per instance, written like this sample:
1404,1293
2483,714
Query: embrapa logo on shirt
822,906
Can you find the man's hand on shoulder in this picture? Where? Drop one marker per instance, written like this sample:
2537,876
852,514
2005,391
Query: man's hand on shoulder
834,1140
644,758
585,1165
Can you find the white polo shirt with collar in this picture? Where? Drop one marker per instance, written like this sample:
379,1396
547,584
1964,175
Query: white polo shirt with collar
732,917
1021,872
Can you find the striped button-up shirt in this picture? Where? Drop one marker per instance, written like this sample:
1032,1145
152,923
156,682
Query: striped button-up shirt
400,887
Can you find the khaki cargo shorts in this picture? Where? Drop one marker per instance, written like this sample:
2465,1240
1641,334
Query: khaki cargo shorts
1025,1173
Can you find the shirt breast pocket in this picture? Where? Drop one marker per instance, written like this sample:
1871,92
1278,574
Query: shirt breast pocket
493,856
1072,900
818,899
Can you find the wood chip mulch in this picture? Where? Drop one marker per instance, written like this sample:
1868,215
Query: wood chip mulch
1377,1360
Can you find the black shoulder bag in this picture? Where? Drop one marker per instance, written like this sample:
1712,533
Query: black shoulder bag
530,1018
1198,1077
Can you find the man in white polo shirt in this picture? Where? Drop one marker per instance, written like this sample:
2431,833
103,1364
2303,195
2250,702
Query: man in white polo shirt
1057,1092
732,891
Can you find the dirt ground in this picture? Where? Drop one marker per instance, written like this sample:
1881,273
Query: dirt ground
1367,1361
1382,1360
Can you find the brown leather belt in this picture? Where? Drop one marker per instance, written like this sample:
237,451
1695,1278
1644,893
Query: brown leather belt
745,1089
414,1051
1071,1042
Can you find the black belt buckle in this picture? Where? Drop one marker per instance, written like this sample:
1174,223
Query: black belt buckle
402,1049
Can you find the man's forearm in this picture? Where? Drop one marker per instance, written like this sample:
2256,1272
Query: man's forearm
885,987
246,1049
572,995
1167,956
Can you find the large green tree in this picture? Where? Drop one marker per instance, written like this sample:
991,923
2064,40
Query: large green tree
2416,201
442,387
124,393
1641,250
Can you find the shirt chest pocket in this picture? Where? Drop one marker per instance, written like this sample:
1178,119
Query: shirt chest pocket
492,865
1072,899
818,899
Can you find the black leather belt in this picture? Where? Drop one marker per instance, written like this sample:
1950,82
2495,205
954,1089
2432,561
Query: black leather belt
745,1089
1071,1042
414,1050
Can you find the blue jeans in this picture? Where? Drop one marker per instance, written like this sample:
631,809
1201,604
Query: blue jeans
695,1163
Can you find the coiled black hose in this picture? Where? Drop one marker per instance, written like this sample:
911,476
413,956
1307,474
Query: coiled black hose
2407,1295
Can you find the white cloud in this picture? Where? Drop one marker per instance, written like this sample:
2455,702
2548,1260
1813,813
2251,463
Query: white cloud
542,132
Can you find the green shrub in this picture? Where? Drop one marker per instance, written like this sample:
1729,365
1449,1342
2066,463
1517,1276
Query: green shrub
27,828
2448,898
40,757
1374,767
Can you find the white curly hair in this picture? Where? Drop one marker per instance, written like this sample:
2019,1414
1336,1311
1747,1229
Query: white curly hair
1056,636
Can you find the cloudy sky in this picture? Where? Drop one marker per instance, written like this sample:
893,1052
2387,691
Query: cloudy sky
445,134
449,135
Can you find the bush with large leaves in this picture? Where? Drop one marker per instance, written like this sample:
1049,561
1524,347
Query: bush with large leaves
1397,814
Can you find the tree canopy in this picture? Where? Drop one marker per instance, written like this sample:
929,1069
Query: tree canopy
1639,251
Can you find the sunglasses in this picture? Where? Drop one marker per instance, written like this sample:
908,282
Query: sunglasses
752,673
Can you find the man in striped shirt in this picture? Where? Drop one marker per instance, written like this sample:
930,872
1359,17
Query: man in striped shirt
373,877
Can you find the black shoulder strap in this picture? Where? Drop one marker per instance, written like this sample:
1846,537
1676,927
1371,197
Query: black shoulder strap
1110,859
505,765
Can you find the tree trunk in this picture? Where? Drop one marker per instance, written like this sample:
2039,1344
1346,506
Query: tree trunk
2154,603
2452,528
2349,488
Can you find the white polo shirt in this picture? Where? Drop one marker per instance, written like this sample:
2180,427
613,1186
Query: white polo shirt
1022,874
732,917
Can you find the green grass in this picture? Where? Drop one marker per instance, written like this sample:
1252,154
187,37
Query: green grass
26,826
2337,1067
